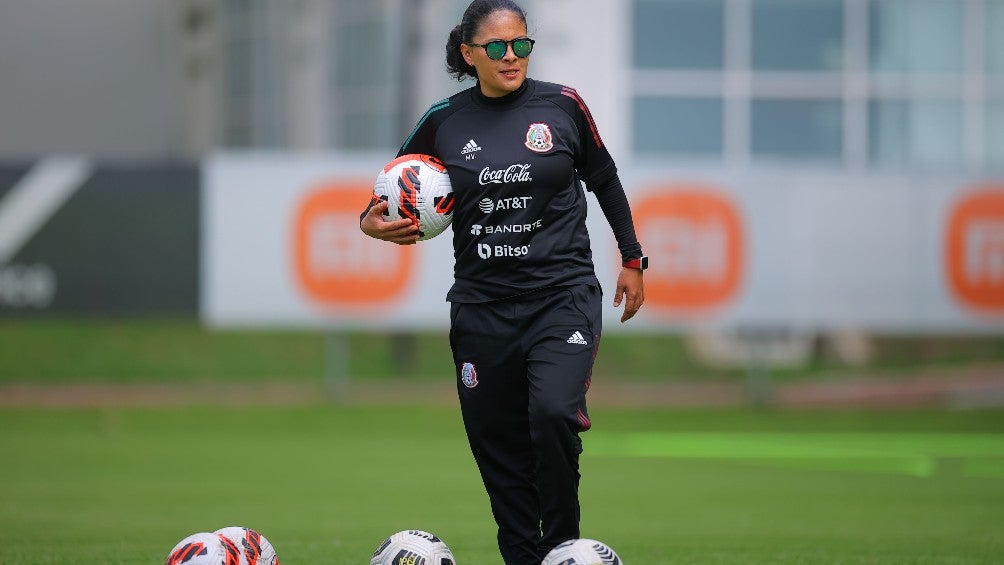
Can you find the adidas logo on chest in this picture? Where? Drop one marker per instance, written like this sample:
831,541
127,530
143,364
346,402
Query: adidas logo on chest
470,150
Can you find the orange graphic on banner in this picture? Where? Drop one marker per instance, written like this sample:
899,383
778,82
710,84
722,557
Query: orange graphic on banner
974,250
338,265
694,237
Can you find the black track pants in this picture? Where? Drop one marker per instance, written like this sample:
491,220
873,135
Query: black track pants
523,367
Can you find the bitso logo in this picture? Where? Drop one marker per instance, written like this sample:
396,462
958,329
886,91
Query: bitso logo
974,250
486,251
695,238
335,263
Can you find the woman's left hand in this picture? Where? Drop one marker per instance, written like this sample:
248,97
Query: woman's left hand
630,284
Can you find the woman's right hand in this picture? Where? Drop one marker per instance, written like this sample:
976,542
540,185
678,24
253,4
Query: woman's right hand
401,232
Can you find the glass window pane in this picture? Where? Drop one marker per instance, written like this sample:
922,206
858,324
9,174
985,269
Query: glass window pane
360,51
365,131
254,75
995,135
237,125
911,132
363,84
678,34
915,35
995,36
237,74
678,125
798,34
811,129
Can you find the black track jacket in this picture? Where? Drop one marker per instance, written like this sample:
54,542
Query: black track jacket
515,166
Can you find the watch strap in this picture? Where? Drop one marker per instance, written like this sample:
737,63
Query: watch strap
637,263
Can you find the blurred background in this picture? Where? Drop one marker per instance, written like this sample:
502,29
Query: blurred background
819,184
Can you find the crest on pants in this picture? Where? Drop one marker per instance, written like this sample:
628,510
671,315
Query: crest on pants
469,375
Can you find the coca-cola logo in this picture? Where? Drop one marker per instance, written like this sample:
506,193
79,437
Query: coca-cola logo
510,174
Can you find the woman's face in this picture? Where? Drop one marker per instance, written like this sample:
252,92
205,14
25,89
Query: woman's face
501,77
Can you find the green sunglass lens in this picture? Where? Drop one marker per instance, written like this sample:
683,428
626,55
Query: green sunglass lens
522,47
496,49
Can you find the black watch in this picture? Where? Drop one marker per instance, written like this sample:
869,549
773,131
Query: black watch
640,263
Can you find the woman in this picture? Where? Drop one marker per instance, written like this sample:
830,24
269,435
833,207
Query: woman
525,305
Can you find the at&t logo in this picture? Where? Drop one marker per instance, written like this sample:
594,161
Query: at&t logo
487,205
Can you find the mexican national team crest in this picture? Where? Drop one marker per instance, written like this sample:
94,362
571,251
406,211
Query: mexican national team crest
469,375
538,138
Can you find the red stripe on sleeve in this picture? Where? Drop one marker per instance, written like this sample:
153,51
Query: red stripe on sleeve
571,93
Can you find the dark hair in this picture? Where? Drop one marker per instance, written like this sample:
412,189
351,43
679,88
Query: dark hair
464,33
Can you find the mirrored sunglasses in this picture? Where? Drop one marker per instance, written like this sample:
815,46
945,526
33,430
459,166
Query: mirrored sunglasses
496,49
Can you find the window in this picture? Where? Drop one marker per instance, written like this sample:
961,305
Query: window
362,84
847,83
915,132
678,125
916,35
798,35
237,89
678,34
995,36
255,75
995,135
810,129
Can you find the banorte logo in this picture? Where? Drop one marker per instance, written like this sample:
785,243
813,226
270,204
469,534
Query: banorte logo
974,250
695,238
335,263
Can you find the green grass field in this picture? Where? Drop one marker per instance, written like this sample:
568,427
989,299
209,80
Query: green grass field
326,483
44,350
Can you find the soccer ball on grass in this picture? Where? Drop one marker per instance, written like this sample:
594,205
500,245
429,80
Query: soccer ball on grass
413,547
417,186
204,548
582,552
254,548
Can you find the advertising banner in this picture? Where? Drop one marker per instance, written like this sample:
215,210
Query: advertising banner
80,237
282,247
785,250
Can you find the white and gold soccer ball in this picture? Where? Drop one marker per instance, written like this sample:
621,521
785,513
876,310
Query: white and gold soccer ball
254,548
413,547
582,551
418,187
